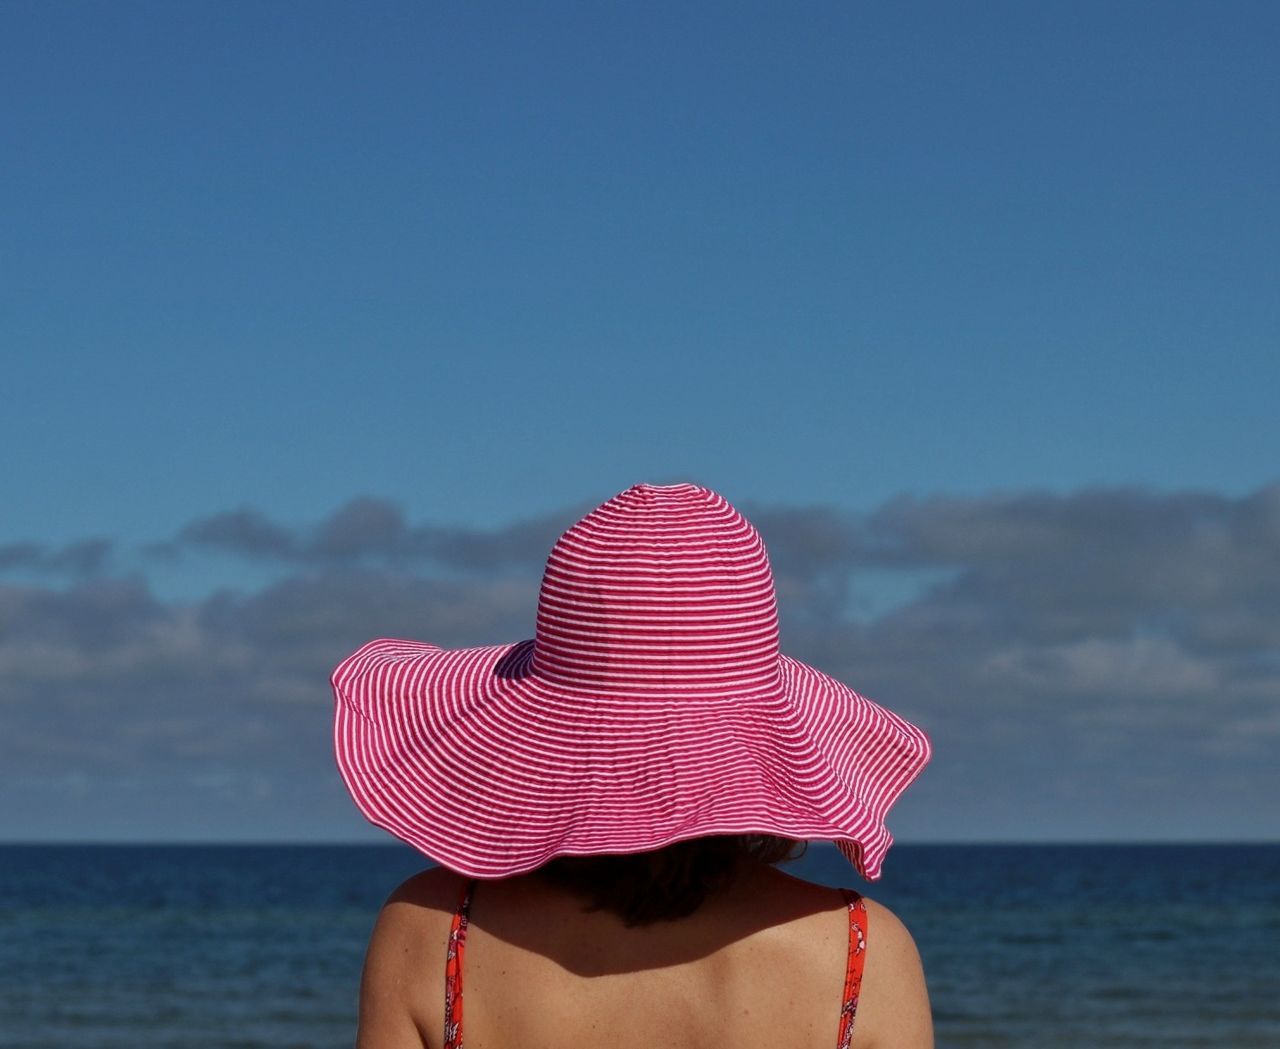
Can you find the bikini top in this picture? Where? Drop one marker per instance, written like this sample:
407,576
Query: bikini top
458,940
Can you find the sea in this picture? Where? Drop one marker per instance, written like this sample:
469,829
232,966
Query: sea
260,947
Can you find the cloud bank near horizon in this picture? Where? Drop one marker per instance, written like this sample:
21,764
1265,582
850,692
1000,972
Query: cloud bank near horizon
1104,663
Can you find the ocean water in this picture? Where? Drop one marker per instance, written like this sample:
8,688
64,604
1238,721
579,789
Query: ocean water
1033,947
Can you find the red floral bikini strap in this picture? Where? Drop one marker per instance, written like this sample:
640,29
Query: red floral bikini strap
453,969
853,968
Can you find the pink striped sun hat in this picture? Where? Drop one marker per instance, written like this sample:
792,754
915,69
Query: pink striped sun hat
653,705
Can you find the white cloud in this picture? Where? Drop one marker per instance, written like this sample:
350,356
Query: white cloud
1143,667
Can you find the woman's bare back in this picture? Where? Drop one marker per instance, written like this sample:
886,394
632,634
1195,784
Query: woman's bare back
761,964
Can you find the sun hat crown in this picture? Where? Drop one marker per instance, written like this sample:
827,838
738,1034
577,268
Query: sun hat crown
662,590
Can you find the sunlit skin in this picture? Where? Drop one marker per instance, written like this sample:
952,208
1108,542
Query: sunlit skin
759,965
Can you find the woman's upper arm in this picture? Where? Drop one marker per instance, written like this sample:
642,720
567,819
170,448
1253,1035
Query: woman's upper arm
893,1009
386,995
402,987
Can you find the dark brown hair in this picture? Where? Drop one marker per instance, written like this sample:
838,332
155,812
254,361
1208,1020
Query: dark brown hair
671,882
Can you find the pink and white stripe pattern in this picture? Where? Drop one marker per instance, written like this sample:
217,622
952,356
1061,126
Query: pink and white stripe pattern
652,705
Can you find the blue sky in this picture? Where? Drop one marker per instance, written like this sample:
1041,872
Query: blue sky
855,267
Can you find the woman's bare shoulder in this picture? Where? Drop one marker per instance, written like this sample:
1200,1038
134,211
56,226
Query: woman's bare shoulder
397,1000
417,913
892,936
435,889
893,1009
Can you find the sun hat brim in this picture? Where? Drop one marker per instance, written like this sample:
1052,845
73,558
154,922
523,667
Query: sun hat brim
474,760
